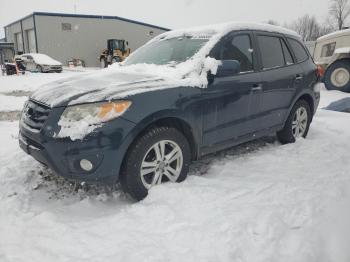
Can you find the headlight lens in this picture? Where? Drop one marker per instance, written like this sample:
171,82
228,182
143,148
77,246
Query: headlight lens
96,113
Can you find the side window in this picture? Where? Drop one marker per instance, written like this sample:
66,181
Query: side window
299,51
271,52
287,55
238,48
328,50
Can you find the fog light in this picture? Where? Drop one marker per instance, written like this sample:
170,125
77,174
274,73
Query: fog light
86,165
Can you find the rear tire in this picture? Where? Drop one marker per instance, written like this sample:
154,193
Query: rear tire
297,124
337,76
142,169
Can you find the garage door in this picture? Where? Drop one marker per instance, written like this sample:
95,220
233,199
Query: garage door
31,41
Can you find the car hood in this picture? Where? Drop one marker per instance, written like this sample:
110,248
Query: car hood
95,87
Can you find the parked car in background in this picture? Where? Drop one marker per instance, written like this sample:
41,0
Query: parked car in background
183,95
41,63
332,52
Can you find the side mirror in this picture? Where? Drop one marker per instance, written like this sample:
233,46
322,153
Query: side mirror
228,68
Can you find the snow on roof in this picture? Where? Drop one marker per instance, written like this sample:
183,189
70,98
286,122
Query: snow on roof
43,59
334,35
222,29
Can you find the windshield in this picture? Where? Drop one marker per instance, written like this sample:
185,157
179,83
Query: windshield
169,51
117,44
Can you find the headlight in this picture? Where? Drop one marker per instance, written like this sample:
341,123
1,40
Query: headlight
95,113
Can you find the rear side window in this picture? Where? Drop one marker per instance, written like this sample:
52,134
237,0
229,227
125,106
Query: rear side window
328,50
287,55
237,48
299,51
271,52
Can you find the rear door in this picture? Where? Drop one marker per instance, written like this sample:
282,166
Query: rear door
281,76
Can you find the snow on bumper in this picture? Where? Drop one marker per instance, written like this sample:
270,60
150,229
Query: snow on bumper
104,148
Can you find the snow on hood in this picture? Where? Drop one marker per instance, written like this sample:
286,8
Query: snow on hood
43,59
120,81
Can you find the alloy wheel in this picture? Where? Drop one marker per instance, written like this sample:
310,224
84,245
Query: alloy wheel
300,121
163,160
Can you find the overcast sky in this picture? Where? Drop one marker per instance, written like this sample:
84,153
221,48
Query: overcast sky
171,13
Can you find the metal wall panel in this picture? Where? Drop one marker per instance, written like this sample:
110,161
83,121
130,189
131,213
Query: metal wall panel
87,37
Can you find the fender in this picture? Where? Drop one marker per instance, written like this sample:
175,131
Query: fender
178,115
303,92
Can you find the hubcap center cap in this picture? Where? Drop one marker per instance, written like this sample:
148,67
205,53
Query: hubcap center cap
162,165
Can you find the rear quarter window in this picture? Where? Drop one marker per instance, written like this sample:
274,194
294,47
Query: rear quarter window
298,50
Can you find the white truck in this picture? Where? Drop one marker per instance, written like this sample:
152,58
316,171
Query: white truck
332,52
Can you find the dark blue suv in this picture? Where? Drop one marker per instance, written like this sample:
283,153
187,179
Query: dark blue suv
185,94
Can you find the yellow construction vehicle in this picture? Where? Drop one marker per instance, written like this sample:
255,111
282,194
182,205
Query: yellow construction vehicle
115,52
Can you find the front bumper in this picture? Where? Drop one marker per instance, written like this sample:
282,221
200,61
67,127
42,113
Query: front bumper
52,68
104,148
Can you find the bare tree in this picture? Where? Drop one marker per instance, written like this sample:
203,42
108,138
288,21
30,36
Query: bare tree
308,27
339,11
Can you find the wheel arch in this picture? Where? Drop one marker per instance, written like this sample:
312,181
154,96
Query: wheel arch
172,121
308,98
341,58
303,96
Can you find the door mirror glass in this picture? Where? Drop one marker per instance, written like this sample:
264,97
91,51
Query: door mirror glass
228,68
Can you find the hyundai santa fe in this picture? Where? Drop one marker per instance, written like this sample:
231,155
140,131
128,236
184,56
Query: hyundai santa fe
183,95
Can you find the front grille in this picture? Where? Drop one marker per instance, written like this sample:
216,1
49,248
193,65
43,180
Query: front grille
34,114
30,142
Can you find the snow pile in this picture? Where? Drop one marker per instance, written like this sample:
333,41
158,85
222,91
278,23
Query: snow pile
12,103
268,203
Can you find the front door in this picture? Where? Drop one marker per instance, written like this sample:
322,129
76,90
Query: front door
229,100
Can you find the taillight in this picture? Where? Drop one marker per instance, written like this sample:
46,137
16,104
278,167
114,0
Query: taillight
320,71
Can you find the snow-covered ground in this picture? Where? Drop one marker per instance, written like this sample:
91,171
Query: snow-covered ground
257,202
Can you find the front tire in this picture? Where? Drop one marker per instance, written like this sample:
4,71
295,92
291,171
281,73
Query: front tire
297,124
337,76
161,154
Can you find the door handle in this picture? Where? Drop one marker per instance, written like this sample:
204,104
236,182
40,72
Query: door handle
257,87
299,77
